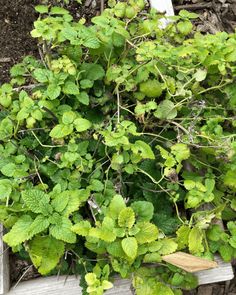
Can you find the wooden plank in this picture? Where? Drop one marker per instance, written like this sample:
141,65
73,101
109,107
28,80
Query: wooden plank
189,262
70,286
224,272
66,286
4,265
163,6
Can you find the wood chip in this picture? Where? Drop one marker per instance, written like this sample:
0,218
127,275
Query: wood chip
5,59
189,262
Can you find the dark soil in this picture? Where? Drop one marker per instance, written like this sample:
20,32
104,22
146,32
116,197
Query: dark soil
16,22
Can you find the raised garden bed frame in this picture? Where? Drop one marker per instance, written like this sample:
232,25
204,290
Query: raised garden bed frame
70,285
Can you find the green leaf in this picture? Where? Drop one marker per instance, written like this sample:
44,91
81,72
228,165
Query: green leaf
152,258
163,289
143,149
5,189
91,278
186,14
60,202
39,224
68,117
70,88
83,98
62,230
53,91
115,249
143,210
9,169
58,10
183,236
41,75
96,185
19,232
82,228
116,206
61,130
37,201
168,246
76,199
200,75
230,179
185,27
45,253
41,9
195,240
130,247
126,218
92,71
91,42
82,124
166,110
148,232
181,152
226,252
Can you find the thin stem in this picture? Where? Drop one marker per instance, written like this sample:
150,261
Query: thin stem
44,145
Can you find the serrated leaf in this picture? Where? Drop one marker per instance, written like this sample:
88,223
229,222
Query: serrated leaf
185,27
116,206
130,247
41,75
126,218
82,125
183,236
200,75
62,231
115,249
166,110
76,199
92,71
58,10
168,246
41,8
143,149
226,252
37,201
45,253
82,228
61,130
230,179
152,258
186,14
19,232
39,224
195,240
70,88
60,202
53,91
83,98
147,234
143,210
5,188
8,169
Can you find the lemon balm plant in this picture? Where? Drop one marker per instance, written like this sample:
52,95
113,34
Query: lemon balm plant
110,138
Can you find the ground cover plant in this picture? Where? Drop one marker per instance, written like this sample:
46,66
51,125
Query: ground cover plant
112,143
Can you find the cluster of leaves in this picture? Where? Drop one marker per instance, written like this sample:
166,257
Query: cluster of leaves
113,143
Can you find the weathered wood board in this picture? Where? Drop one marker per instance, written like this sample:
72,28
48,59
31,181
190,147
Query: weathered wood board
70,285
4,265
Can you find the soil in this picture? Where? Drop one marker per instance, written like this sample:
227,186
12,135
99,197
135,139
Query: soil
16,22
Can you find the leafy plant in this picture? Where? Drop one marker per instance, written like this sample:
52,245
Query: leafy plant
111,137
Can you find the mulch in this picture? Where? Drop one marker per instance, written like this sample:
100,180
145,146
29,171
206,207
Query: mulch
16,22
